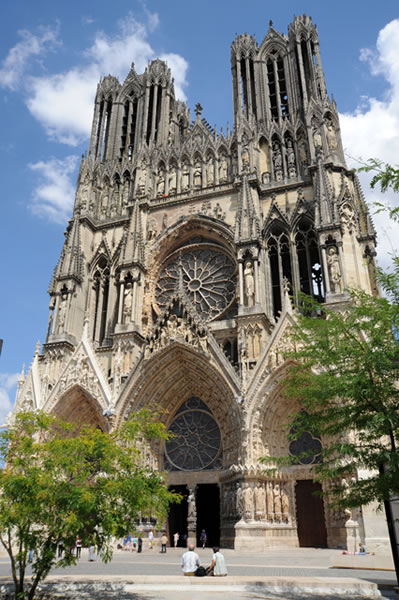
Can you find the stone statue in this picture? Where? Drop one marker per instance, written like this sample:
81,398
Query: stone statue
285,501
259,501
277,501
269,501
223,171
141,179
209,171
317,138
290,153
334,270
127,303
303,155
62,308
248,502
249,284
185,178
277,162
152,229
161,184
172,181
192,509
245,159
331,136
197,176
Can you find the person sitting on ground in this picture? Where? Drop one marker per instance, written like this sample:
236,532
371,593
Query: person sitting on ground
218,565
190,561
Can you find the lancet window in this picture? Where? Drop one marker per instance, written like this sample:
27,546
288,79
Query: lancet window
294,263
101,295
154,112
248,85
277,85
129,122
103,126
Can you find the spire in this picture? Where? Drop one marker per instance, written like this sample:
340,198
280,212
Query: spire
247,227
133,251
71,260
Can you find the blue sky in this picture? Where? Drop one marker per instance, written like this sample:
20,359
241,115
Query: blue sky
52,54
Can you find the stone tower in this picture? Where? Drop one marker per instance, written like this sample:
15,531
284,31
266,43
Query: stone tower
177,282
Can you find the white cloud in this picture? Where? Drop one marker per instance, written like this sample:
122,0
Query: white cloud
63,102
8,383
179,67
54,196
372,130
14,64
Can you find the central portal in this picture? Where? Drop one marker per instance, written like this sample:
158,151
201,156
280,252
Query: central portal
193,457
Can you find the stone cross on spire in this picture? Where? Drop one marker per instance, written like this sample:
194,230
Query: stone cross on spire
198,110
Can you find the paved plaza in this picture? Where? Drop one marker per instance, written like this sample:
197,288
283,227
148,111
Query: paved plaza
279,573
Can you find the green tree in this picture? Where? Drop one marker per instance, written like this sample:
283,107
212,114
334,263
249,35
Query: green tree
60,481
344,376
386,177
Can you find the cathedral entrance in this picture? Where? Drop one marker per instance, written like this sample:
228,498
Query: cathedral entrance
208,513
177,519
310,517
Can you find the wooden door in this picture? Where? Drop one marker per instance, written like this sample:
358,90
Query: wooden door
310,518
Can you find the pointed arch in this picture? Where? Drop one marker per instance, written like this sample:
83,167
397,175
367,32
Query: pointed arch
78,406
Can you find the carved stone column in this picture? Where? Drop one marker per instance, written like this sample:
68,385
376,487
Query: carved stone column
191,516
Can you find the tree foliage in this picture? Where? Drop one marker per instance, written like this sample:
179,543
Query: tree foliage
386,177
344,377
60,481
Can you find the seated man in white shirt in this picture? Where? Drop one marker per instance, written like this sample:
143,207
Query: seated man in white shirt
190,561
218,565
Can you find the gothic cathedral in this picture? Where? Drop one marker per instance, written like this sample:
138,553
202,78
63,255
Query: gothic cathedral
177,282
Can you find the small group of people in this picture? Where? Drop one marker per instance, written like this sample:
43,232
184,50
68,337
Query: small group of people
190,563
132,543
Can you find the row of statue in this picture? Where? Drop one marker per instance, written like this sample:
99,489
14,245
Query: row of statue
175,329
257,501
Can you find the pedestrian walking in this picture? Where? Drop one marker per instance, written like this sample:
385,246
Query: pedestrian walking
151,539
78,545
203,538
139,543
164,541
175,539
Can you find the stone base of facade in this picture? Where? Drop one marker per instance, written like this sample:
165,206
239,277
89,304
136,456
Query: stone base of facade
256,537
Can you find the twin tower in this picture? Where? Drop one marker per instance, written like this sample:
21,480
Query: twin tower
179,276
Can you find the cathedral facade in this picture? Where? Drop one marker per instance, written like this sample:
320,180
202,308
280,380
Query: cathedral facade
176,286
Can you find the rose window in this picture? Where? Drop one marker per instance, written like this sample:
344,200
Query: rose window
196,441
208,277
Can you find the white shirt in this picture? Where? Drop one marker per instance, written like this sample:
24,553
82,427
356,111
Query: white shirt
220,565
190,561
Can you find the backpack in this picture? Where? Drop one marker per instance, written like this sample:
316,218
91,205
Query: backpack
200,572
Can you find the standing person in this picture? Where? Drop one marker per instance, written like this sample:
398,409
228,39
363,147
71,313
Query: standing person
92,553
78,545
218,565
150,539
175,539
139,543
190,561
203,538
164,541
134,543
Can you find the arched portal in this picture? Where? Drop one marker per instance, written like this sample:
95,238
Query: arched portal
79,407
198,406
